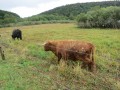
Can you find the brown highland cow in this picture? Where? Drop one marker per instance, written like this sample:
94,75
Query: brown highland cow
73,50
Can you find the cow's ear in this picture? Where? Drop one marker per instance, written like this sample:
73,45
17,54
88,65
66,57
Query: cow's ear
45,43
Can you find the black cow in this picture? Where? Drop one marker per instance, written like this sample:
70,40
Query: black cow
17,34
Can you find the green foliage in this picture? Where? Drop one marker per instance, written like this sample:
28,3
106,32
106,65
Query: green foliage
8,18
45,18
100,18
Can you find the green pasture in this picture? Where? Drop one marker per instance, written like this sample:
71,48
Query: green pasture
28,67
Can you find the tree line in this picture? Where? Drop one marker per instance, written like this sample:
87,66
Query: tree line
97,17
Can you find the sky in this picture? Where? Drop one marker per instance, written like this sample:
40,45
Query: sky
26,8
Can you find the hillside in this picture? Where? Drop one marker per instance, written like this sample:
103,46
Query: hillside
8,17
69,12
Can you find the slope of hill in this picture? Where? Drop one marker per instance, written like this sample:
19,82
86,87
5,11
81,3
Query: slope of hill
69,12
8,17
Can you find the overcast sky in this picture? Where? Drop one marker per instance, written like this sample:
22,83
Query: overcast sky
25,8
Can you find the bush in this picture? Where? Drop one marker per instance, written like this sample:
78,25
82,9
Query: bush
100,18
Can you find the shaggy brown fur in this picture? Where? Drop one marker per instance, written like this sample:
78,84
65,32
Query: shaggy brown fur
73,50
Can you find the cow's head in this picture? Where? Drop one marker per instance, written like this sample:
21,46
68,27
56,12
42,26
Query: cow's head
48,46
13,37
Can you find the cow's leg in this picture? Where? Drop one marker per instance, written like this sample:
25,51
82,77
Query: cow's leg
65,57
88,62
20,37
92,66
17,38
83,65
85,60
59,57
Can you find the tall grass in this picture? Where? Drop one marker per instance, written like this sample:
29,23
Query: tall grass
29,67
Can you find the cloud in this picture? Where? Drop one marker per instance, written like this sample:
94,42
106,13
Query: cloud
5,4
25,11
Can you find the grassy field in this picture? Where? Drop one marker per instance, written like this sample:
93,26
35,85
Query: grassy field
29,67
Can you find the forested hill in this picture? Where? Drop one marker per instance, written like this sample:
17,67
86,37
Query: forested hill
8,17
69,12
75,9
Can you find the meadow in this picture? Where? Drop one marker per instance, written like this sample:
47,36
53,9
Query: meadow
28,67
